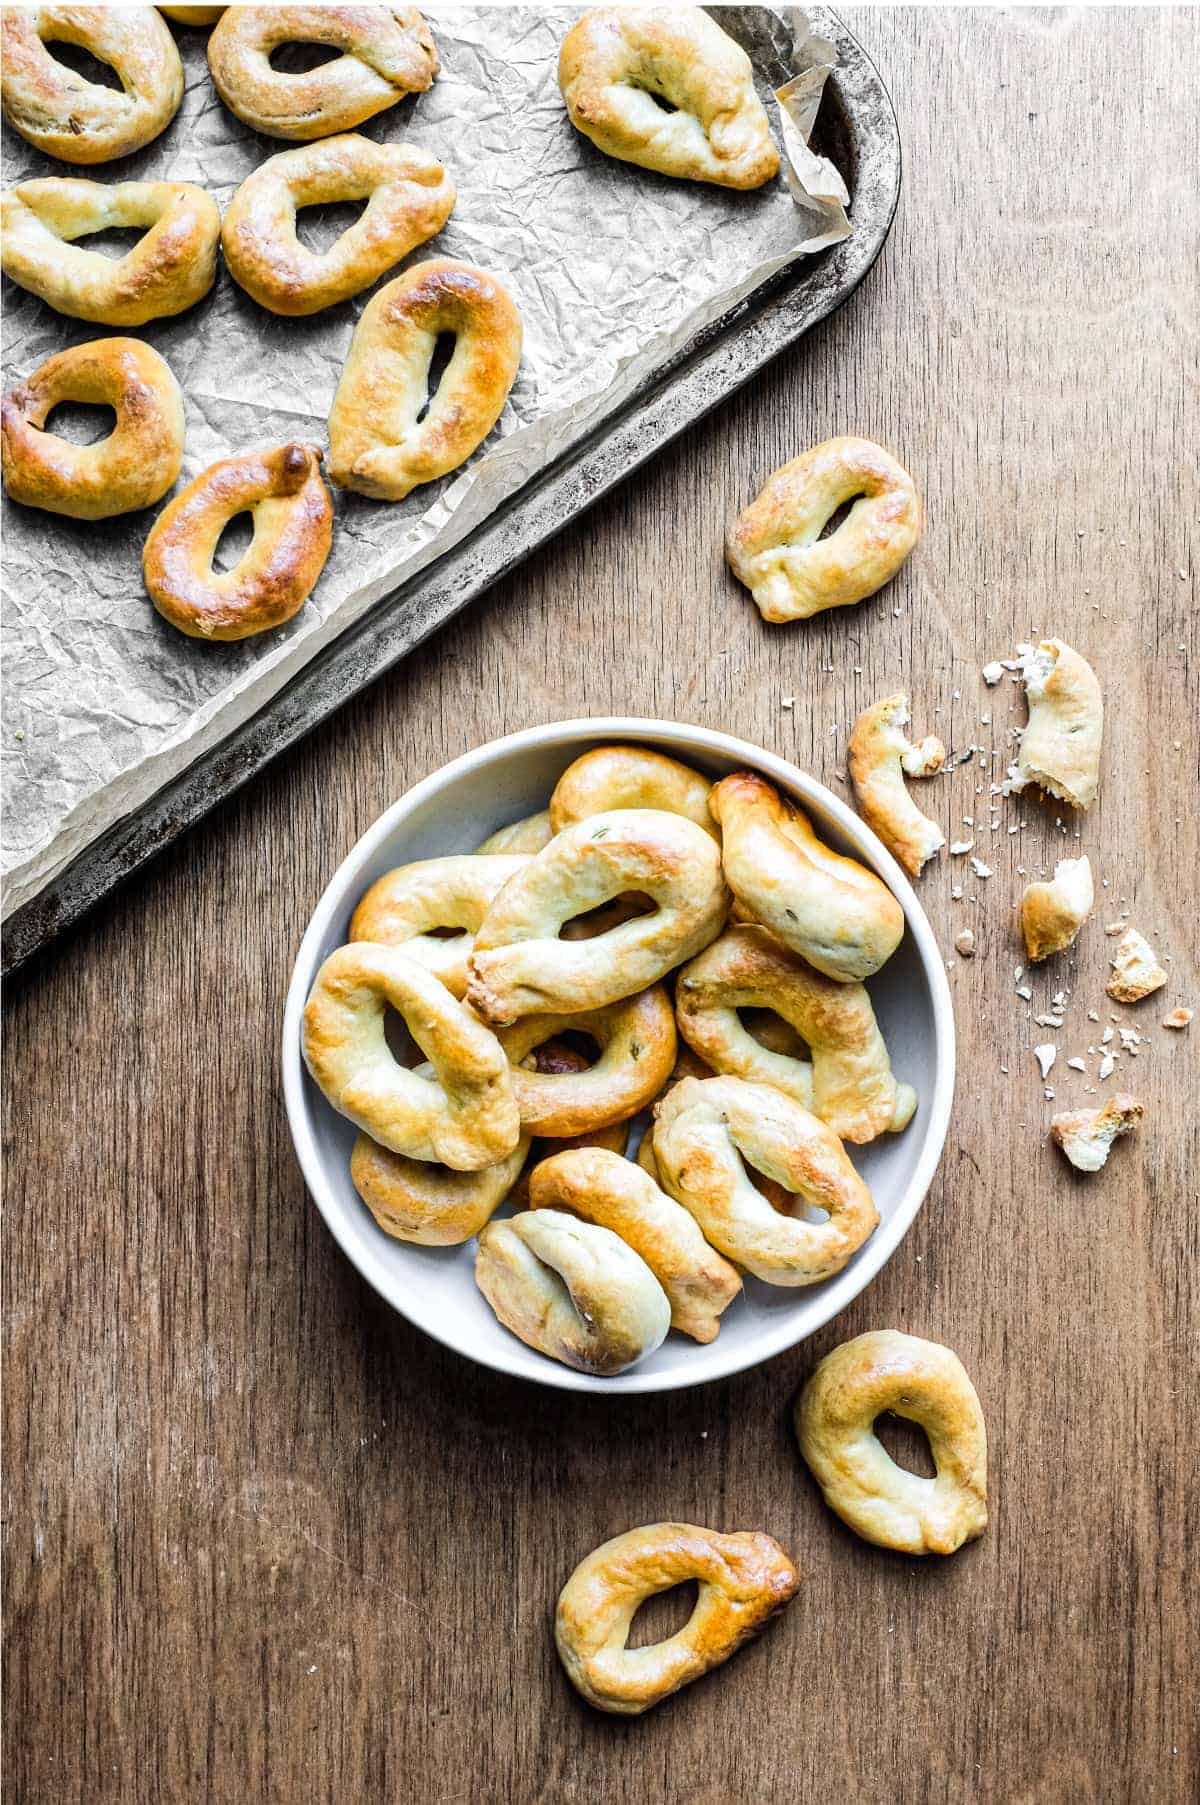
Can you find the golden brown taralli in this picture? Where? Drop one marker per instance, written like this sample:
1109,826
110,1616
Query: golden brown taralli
630,777
432,1205
880,754
636,1037
528,835
65,114
406,907
1053,912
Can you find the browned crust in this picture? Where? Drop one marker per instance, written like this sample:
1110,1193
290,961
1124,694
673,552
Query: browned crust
63,113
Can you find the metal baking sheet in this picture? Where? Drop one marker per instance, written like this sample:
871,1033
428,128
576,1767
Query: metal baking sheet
857,130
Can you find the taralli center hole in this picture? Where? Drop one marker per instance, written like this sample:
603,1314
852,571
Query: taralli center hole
81,422
298,58
320,226
400,1043
663,1615
906,1443
234,542
660,100
573,1041
443,351
92,68
837,517
114,241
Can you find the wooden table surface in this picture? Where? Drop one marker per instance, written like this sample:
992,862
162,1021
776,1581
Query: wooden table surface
267,1542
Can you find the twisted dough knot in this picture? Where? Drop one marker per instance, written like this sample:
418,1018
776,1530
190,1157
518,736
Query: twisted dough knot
637,1050
433,1205
408,194
387,52
407,906
880,753
293,527
77,120
744,1580
131,468
877,1499
629,777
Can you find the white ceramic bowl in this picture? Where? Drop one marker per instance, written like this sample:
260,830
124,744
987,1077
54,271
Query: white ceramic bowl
453,811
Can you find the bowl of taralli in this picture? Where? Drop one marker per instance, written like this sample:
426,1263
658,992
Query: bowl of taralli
618,1055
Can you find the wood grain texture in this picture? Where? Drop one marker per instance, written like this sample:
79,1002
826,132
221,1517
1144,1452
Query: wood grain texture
266,1542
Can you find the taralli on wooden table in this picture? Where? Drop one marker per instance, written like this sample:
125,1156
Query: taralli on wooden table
65,114
861,1483
529,835
1086,1135
636,1037
1060,743
412,905
602,1187
283,492
829,909
432,1205
466,1119
132,468
775,547
572,1290
619,63
387,52
630,777
879,754
744,1579
408,196
171,267
1053,912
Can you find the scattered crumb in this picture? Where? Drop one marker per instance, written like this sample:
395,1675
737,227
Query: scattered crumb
1106,1037
1077,1065
1136,971
958,847
1045,1056
787,702
1024,991
956,893
1108,1066
1092,1016
1086,1135
1114,927
992,673
1130,1040
965,944
1178,1018
980,869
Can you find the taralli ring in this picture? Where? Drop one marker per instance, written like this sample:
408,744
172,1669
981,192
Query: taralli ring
702,1130
65,114
171,267
572,1290
877,1499
880,753
466,1118
637,1050
410,906
849,1083
602,1187
1060,742
293,527
387,52
434,1206
618,59
130,469
744,1580
408,198
529,836
775,547
629,777
521,967
829,909
385,436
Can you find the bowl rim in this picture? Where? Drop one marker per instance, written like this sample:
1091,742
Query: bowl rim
837,1293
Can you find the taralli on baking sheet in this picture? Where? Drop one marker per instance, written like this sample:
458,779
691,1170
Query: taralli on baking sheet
193,15
529,835
829,909
1060,743
713,128
434,1206
744,1580
880,753
849,1083
283,492
629,777
171,267
572,1290
1086,1135
775,547
521,967
386,435
703,1129
878,1500
636,1037
603,1187
466,1118
408,196
407,907
1136,972
131,468
1053,912
387,52
65,114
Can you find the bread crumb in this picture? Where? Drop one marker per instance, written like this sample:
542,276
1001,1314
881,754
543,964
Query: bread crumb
965,943
1077,1065
1086,1135
980,869
1178,1018
958,847
1108,1066
992,673
1136,971
1045,1056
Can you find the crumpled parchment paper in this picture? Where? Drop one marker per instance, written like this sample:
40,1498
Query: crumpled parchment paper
613,269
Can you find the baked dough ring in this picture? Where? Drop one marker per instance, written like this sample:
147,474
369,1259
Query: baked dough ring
617,58
521,967
829,909
1060,743
293,527
1052,913
629,777
65,114
877,1499
775,548
605,1188
880,753
387,52
466,1119
133,467
572,1290
431,1205
378,443
408,194
849,1083
701,1130
168,270
403,907
637,1050
745,1579
193,15
529,835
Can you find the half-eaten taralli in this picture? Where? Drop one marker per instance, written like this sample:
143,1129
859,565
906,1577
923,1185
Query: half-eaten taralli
880,756
775,547
1086,1135
413,906
1053,911
880,1501
65,114
636,1037
386,434
1060,743
629,777
619,63
744,1580
283,493
432,1205
1136,972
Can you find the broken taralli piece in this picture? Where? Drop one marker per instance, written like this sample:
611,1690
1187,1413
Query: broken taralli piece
1060,744
880,754
1086,1135
1053,912
1136,971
